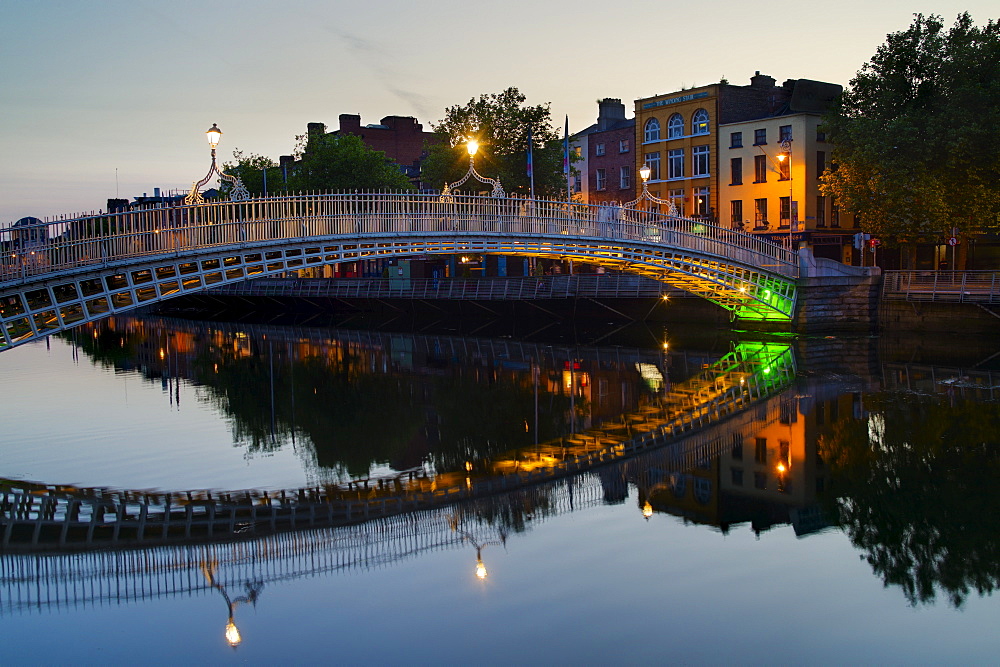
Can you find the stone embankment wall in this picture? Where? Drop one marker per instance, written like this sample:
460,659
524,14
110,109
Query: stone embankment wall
837,304
938,317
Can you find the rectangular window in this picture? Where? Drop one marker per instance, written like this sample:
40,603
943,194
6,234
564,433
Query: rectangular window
577,185
760,480
820,134
784,211
834,214
820,163
737,476
699,158
598,149
675,163
701,202
736,171
625,177
760,137
760,212
760,450
785,133
677,197
601,180
623,146
737,447
759,168
820,211
736,140
578,151
653,162
784,167
736,212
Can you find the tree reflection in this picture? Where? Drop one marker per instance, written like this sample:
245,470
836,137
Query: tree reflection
915,488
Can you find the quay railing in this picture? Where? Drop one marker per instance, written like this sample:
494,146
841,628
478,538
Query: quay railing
947,286
107,238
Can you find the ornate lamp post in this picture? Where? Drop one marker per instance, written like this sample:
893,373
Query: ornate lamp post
239,191
644,173
447,194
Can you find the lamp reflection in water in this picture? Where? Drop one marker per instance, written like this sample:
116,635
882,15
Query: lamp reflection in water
481,572
253,590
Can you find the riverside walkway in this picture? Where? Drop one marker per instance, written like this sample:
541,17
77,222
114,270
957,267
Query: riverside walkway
38,517
58,274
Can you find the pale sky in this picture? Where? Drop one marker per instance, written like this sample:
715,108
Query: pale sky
112,98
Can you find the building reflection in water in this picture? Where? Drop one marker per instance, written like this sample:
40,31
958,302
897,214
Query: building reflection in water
856,453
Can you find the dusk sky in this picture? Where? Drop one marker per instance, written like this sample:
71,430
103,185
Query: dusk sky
113,98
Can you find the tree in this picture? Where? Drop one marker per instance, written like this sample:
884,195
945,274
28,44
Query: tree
344,162
250,168
500,122
915,489
916,151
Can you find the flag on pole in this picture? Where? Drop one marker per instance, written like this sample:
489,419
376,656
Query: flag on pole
566,147
531,164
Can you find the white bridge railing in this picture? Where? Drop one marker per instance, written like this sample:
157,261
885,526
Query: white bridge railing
98,239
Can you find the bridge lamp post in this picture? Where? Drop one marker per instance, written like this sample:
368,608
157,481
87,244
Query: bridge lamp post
239,191
644,173
472,147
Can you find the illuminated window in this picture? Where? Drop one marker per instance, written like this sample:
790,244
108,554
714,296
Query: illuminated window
701,202
699,122
652,130
675,127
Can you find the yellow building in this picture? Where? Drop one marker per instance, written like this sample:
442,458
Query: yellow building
769,181
687,137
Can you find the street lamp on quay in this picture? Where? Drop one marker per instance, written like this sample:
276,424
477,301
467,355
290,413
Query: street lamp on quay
239,191
786,154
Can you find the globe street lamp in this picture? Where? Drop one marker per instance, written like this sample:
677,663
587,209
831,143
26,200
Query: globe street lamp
644,173
239,191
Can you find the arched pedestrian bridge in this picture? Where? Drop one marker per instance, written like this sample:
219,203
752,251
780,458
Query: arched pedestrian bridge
58,274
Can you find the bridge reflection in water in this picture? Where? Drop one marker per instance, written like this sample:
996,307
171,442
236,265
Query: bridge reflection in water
140,545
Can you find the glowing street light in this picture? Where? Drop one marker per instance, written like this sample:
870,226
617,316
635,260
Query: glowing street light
472,147
239,191
644,173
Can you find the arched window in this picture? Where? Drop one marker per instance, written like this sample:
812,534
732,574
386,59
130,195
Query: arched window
699,122
675,126
652,130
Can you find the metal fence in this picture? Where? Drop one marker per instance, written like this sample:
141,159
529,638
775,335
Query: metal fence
949,286
103,238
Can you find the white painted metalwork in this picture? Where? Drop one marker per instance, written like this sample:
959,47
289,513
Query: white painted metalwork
84,268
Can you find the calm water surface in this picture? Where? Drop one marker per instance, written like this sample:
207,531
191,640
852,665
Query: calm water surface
853,519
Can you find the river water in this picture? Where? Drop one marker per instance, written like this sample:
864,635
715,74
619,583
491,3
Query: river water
849,513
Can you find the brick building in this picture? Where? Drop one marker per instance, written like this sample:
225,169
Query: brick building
607,171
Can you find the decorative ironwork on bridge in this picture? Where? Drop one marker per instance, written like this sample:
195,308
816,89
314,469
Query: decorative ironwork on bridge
86,268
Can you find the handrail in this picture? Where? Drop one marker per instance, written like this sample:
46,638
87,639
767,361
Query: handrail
105,238
946,286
